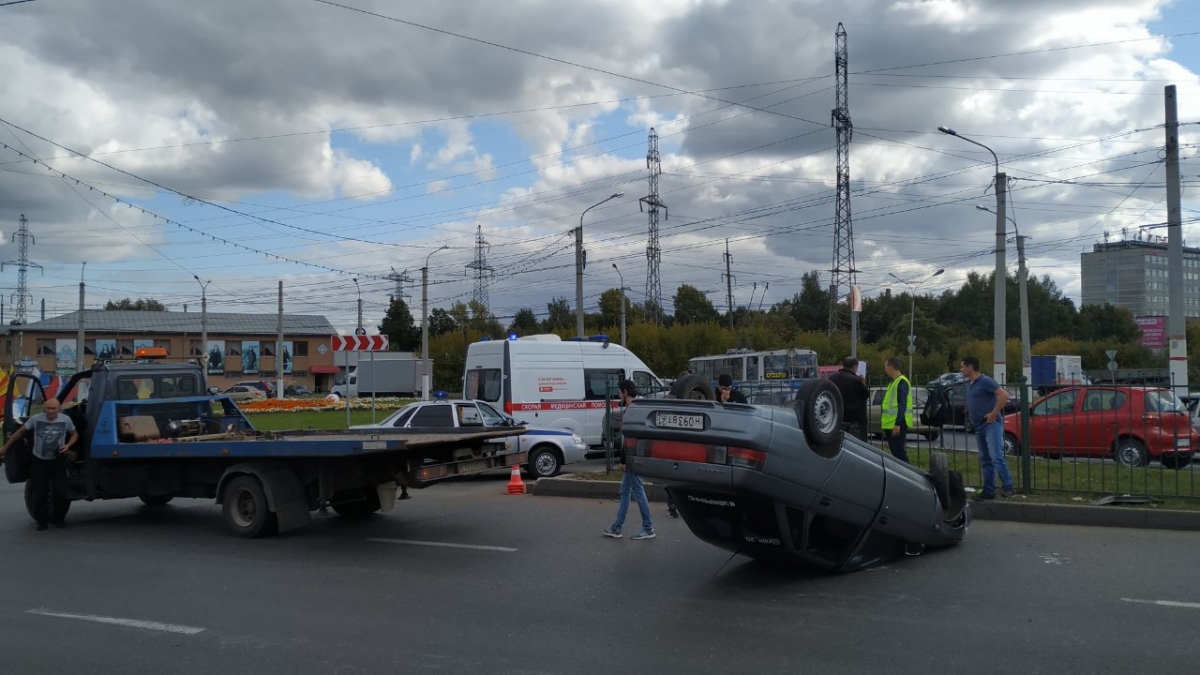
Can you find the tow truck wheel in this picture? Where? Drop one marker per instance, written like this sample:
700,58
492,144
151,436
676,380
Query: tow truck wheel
544,463
155,501
245,507
359,505
57,513
819,409
694,387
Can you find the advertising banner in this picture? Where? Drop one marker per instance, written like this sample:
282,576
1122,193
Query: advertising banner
287,358
106,349
216,357
1154,331
249,357
64,354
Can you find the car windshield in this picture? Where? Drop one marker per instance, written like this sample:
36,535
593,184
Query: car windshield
1162,401
491,417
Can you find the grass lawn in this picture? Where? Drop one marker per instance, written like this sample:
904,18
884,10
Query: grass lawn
312,419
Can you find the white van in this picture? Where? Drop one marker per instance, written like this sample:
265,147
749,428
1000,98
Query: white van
550,382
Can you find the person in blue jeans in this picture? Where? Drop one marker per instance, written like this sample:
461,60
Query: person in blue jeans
985,401
631,484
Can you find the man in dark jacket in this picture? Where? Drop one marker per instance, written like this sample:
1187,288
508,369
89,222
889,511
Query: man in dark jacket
725,391
855,398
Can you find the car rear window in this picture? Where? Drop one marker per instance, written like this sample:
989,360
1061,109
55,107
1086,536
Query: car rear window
1163,400
434,416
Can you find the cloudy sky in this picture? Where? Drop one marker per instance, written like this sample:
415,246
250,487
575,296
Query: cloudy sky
315,142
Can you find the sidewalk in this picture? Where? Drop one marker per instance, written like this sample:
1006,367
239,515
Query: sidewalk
1014,509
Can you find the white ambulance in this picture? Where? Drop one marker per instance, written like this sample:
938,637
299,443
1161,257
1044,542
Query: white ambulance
550,382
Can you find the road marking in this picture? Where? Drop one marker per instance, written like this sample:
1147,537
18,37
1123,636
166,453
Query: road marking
131,623
1165,603
442,544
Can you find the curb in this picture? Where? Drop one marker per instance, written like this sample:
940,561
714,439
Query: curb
1014,511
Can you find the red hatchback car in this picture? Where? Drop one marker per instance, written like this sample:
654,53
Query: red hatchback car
1131,425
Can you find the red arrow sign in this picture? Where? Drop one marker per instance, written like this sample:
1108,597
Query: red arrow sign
359,343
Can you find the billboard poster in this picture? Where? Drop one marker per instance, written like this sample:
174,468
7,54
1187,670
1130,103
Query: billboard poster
1154,331
64,354
142,343
216,357
249,357
106,349
287,358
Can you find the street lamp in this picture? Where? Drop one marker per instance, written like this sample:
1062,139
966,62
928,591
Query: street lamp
1023,292
425,367
358,327
203,319
912,313
579,264
622,278
1001,278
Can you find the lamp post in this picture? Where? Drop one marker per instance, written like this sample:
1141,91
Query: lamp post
358,327
622,278
1023,292
425,367
1001,279
203,319
912,313
579,263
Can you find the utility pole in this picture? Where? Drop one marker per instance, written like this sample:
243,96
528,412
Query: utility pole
1176,327
581,263
622,278
400,278
279,349
426,375
1023,288
653,252
23,239
842,275
203,320
482,270
79,339
728,283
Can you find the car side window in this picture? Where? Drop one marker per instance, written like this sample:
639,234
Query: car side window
403,418
1105,399
491,417
433,416
468,415
1056,404
645,381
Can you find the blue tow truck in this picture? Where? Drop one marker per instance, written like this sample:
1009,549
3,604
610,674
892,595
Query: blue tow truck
152,430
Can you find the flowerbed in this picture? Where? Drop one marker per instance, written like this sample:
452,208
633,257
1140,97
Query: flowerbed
270,405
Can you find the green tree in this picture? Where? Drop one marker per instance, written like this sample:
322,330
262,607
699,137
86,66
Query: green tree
441,322
692,306
1109,323
610,307
140,305
810,308
403,334
524,323
559,316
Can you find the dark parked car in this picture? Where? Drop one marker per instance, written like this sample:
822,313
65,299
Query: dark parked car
955,406
1131,425
296,390
785,484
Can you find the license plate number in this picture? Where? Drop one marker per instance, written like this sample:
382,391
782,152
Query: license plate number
472,467
679,421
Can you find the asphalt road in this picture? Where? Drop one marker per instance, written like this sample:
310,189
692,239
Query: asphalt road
466,579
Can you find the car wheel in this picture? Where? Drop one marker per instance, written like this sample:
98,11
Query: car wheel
244,506
931,435
819,409
958,498
1131,452
693,387
939,469
544,462
1176,460
1012,446
155,501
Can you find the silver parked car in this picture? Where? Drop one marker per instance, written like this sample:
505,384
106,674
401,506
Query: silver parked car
548,449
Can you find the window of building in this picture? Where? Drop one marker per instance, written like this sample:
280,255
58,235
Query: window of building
45,347
268,349
124,347
301,349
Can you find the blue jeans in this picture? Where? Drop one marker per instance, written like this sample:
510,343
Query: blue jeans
990,440
630,483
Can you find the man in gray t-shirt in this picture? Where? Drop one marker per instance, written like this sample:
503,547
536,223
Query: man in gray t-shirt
53,435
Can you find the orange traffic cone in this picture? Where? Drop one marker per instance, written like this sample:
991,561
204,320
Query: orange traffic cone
515,485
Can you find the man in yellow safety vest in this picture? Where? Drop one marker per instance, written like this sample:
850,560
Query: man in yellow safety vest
897,415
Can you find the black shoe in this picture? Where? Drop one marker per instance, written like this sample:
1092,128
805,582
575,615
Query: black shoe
984,497
673,512
42,526
1008,492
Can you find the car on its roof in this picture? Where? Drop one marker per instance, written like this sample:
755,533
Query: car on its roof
1131,425
786,484
548,449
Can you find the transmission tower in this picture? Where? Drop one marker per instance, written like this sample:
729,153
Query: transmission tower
23,239
482,270
842,277
653,253
400,278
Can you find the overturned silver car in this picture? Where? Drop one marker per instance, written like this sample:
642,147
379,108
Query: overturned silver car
784,484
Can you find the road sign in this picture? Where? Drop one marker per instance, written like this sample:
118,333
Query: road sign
1111,354
1112,365
359,343
912,348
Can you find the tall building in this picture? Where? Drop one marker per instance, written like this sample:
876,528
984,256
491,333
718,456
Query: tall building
1133,274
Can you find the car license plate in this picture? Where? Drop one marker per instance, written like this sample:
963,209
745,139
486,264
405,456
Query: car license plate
679,421
472,467
1182,443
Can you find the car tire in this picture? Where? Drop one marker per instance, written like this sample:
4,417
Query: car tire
939,470
693,387
958,498
356,505
245,509
155,501
1130,452
1176,460
818,408
544,462
1011,445
931,435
